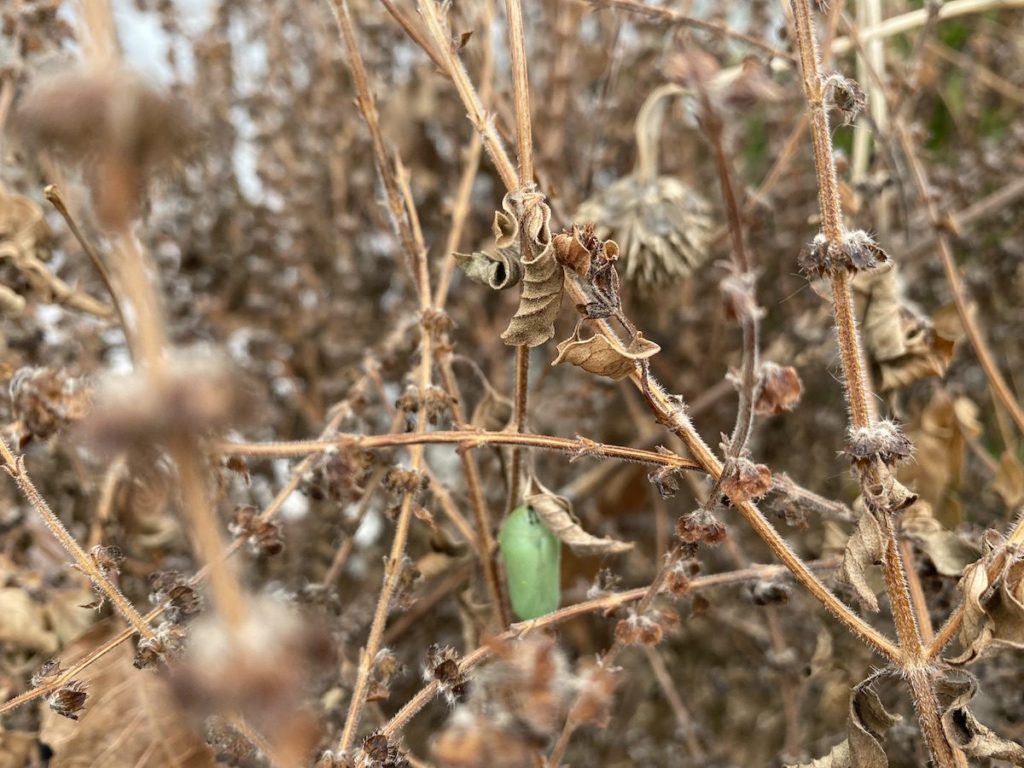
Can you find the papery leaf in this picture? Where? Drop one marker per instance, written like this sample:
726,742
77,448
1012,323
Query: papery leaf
868,722
492,412
556,512
534,321
1009,482
993,606
964,730
864,549
604,355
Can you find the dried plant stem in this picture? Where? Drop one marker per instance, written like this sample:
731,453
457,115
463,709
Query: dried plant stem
55,196
478,116
465,438
15,467
524,153
1000,388
911,650
684,721
412,240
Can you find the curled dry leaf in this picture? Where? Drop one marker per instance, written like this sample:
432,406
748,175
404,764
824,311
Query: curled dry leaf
556,512
534,321
864,549
993,591
869,720
963,729
1009,482
603,355
501,269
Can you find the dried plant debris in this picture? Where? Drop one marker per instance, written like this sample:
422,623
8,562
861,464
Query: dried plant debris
993,592
556,513
866,727
948,551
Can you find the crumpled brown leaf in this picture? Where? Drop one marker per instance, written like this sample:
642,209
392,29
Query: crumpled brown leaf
493,411
949,552
126,707
556,512
534,321
869,720
864,549
605,356
964,730
906,345
993,591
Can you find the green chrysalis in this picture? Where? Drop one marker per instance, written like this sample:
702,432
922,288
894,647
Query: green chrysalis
533,560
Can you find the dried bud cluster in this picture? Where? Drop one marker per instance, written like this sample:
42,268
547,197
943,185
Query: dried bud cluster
856,252
443,666
436,401
883,441
847,95
181,598
700,527
779,389
743,480
400,481
263,536
69,699
45,400
638,630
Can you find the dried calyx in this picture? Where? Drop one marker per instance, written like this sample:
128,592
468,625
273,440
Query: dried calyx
662,225
856,252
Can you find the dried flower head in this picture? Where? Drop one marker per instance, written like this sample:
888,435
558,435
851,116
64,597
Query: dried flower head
638,630
768,592
46,673
847,95
263,536
165,645
856,252
663,226
700,527
181,598
69,699
779,389
883,441
443,666
45,400
743,480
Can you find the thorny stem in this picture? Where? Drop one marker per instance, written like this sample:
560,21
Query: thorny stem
911,651
15,467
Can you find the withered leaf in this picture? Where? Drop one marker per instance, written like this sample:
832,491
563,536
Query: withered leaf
993,607
603,355
556,512
498,271
534,321
906,344
964,730
864,549
868,722
1009,482
493,411
949,552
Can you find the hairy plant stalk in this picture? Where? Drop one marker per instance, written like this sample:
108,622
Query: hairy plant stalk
15,467
911,649
465,438
524,153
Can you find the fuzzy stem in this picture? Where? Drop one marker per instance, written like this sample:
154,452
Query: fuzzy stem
15,467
